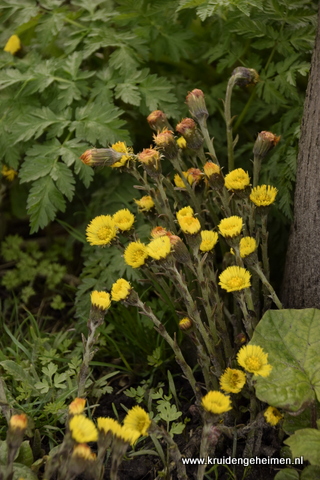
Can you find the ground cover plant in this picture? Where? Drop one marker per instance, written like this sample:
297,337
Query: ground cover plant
175,309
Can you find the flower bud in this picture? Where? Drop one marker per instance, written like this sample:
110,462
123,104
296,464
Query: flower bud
187,128
150,159
245,76
214,175
158,121
185,324
197,105
100,156
17,427
264,143
180,251
166,142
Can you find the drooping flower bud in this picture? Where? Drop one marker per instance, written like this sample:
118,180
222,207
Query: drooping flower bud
96,157
245,76
264,143
197,105
158,121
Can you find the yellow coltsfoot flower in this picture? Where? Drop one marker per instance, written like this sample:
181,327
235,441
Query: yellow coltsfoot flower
237,179
137,419
263,195
189,224
231,226
100,300
272,416
145,204
107,424
82,429
8,173
12,45
247,246
159,247
216,402
135,254
253,359
77,406
122,148
232,380
123,219
234,279
184,212
208,240
120,290
101,230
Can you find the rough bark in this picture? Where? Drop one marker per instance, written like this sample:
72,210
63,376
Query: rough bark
301,284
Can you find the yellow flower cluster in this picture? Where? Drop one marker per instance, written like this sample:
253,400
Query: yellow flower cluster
8,173
123,219
82,429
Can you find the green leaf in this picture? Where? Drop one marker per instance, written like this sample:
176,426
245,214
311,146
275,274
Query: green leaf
17,372
287,474
305,443
155,91
43,203
39,161
128,93
176,428
291,339
64,179
50,370
310,472
25,455
43,386
60,380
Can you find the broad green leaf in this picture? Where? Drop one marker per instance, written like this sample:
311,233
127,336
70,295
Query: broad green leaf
287,474
305,443
25,455
43,202
22,471
310,472
291,339
156,90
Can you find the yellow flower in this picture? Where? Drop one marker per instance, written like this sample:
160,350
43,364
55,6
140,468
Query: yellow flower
106,424
8,173
253,359
123,219
82,429
122,148
84,452
230,226
216,402
77,406
13,44
135,254
18,422
247,246
185,324
178,180
184,212
182,143
189,225
272,416
211,168
208,240
137,419
101,231
234,279
100,300
158,232
232,380
120,290
159,247
237,179
145,203
263,195
128,435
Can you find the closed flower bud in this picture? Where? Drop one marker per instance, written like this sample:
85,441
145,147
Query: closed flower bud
158,121
194,175
245,76
197,105
150,159
166,142
17,427
185,324
264,143
187,128
100,157
213,173
180,251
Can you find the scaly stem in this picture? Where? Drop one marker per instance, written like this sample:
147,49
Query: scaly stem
207,139
228,120
268,286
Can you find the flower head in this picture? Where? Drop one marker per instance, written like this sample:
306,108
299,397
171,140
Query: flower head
178,180
230,226
100,157
247,246
137,419
216,402
123,219
232,380
145,204
189,224
184,212
234,279
150,159
185,324
135,254
211,168
166,142
253,359
101,231
159,232
208,240
272,416
197,105
128,435
245,76
159,247
122,148
8,173
264,143
120,290
77,406
181,142
12,45
100,300
84,452
158,120
263,195
106,425
82,429
237,179
18,422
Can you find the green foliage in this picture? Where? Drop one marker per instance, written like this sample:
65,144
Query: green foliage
22,462
293,383
306,443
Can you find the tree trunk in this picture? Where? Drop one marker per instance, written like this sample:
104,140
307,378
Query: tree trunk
301,283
